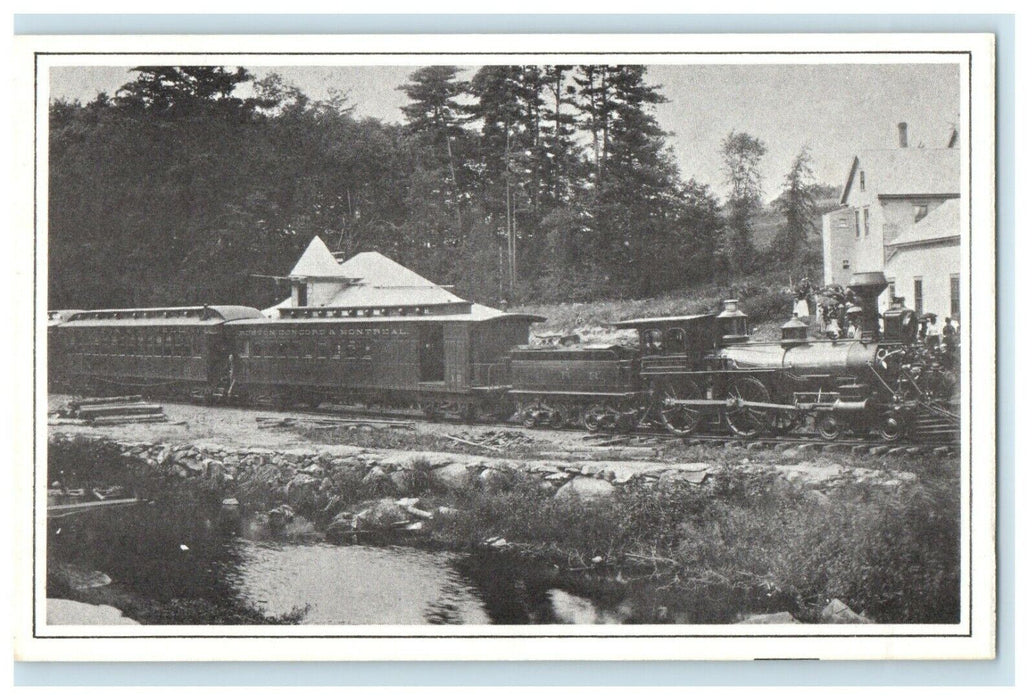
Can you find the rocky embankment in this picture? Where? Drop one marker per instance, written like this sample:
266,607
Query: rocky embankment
363,489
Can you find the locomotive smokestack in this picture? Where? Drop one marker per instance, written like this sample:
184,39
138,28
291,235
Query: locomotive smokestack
867,286
902,134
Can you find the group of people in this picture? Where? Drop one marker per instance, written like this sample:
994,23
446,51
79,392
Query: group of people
840,315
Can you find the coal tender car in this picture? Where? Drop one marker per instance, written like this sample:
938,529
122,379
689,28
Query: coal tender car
596,385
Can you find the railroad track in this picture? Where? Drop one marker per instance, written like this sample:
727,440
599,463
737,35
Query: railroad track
938,433
940,439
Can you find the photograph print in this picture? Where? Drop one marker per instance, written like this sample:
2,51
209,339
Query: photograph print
644,345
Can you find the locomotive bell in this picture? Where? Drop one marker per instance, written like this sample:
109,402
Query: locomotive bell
867,286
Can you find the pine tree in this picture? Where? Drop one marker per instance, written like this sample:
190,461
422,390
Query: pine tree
798,205
742,154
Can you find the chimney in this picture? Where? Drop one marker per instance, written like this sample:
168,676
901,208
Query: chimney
902,134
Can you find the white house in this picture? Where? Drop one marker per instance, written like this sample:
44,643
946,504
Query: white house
900,214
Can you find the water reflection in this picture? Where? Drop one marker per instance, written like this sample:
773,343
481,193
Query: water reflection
356,585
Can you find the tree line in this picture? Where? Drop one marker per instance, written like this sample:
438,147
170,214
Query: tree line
203,184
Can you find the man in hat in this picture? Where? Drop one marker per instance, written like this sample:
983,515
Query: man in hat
852,319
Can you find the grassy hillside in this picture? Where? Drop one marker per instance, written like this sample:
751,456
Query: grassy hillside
764,294
764,297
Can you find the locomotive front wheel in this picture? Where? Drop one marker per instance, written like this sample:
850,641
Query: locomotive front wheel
829,427
679,420
892,427
747,421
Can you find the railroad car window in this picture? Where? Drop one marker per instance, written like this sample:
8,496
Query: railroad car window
955,296
675,341
653,340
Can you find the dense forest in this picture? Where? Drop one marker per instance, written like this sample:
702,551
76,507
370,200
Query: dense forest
526,183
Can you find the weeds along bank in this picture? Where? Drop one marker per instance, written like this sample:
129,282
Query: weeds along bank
884,543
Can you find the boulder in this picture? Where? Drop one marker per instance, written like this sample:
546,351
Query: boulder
280,516
453,477
302,490
586,489
385,514
495,480
817,498
779,618
838,613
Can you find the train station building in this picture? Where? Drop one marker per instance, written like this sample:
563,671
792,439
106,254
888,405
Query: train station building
900,214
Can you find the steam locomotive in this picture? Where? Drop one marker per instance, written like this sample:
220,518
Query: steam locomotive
689,373
703,372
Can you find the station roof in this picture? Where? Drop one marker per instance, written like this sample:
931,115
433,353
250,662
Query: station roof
639,322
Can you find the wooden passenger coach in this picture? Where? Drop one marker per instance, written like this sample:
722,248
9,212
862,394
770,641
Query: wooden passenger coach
160,350
435,354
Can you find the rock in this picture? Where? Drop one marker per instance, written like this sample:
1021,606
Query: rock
314,470
860,449
586,489
453,477
385,514
341,525
302,490
69,612
558,476
495,480
230,503
280,516
758,446
818,498
838,613
779,618
374,476
790,453
670,479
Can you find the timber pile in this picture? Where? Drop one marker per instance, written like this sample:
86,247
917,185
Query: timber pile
493,440
328,422
114,410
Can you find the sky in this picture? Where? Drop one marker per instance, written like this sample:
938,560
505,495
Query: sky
835,110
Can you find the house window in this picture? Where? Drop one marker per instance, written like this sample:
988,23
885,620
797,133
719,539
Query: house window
863,181
920,211
866,222
892,290
859,223
918,296
845,264
955,296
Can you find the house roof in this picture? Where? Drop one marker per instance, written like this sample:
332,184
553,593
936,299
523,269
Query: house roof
942,222
898,172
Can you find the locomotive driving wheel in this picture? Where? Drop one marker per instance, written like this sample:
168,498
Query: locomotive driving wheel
829,427
593,416
748,421
678,420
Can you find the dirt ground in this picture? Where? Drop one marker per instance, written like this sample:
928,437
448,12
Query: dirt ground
242,427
